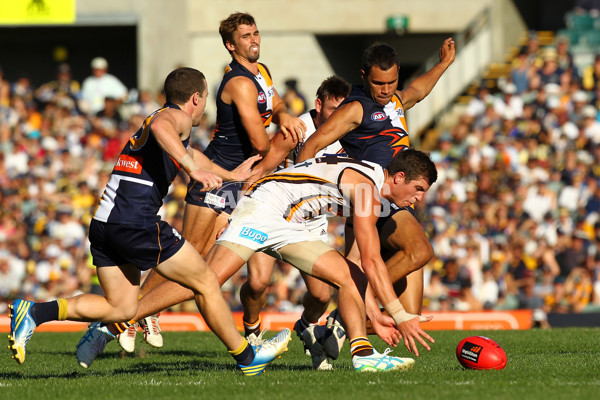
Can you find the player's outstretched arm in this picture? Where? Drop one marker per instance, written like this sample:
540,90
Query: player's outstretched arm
344,119
418,89
365,204
383,325
169,128
242,173
291,127
281,146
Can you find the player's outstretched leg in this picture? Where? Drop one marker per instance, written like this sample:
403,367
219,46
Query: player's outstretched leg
378,362
267,352
22,326
93,343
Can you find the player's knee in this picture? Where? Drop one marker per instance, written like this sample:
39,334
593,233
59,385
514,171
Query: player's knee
318,297
258,283
420,254
124,312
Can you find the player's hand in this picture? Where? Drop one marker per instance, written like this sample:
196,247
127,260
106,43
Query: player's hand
292,127
244,171
208,180
447,52
411,333
385,327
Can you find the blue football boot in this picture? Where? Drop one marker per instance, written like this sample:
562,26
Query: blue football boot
267,352
21,328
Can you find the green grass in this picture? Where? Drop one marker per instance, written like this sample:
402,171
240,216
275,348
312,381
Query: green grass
542,364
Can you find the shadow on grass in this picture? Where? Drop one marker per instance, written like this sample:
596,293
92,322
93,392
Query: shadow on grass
190,364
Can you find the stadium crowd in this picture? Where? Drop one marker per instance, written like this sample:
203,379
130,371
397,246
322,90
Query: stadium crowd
514,217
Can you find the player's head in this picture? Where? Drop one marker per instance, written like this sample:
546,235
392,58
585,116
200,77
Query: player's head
410,174
240,35
329,95
187,84
380,72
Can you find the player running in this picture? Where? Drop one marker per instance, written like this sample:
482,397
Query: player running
127,236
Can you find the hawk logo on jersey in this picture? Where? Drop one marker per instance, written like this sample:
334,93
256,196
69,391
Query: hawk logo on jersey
132,164
254,235
378,116
262,98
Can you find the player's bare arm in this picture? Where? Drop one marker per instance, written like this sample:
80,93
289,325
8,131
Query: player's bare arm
418,89
281,146
242,92
291,126
242,173
366,206
169,128
344,119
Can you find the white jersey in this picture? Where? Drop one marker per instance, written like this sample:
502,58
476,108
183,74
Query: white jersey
334,148
311,188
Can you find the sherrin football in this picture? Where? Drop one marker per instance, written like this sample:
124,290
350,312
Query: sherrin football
480,352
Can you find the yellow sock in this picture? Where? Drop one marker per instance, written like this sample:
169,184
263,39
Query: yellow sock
62,309
240,349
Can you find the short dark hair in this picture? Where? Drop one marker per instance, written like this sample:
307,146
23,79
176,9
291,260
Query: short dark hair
333,87
415,164
182,83
230,24
381,55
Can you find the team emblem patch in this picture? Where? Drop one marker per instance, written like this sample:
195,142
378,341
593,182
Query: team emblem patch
378,116
254,235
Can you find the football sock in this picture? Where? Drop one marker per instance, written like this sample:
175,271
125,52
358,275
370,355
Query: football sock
44,312
252,328
360,346
243,355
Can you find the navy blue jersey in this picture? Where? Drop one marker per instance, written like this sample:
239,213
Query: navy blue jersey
140,179
231,144
382,132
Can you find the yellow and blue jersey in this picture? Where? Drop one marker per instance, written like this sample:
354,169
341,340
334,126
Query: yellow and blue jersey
382,132
140,179
231,144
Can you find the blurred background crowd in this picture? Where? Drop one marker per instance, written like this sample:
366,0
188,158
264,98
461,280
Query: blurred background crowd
514,217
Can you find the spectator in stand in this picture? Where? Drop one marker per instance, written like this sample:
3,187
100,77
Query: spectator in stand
4,90
293,99
63,85
550,72
521,72
591,75
100,85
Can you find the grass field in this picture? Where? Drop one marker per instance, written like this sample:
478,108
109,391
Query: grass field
542,364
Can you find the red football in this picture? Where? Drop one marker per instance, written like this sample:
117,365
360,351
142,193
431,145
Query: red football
479,352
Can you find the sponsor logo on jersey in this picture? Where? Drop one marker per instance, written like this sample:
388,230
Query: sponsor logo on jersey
132,164
262,98
254,235
214,200
400,112
378,116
